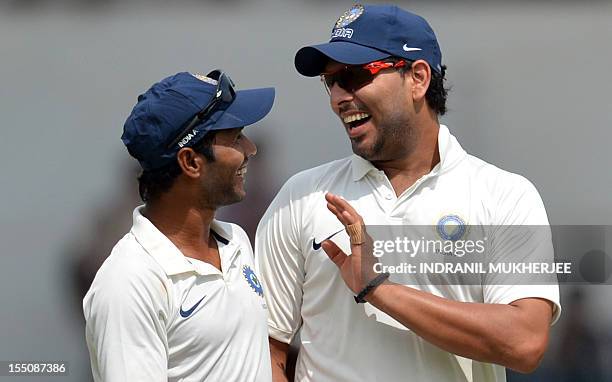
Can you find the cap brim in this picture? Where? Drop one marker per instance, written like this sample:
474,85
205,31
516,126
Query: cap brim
249,107
310,61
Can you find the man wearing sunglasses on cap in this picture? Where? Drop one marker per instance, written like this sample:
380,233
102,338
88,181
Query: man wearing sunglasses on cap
384,75
178,298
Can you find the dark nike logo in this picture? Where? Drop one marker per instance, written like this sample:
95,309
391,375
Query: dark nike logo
316,246
187,313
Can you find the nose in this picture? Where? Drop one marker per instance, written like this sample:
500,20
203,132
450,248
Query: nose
338,96
249,147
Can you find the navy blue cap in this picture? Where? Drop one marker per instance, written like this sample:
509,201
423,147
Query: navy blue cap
164,110
367,33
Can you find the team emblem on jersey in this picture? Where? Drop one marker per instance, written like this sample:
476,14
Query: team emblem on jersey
252,279
451,227
349,16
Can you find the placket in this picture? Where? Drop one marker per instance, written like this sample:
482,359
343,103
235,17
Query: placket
229,254
384,194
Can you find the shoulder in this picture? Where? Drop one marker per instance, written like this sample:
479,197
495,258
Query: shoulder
497,179
296,199
307,185
312,182
314,177
129,271
508,193
129,259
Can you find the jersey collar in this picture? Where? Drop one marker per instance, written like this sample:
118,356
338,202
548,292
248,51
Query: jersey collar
166,254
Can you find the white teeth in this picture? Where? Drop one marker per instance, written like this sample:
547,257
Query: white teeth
355,117
242,171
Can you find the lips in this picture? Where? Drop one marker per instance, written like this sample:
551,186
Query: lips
356,124
353,121
357,131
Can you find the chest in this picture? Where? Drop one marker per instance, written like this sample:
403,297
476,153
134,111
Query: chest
209,310
437,209
433,202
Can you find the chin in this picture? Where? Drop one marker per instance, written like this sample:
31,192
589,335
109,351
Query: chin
238,195
368,147
363,150
230,196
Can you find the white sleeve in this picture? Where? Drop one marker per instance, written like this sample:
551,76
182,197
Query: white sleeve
280,264
125,310
522,236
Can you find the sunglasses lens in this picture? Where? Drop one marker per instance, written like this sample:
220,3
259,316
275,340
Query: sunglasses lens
226,86
357,77
329,80
350,78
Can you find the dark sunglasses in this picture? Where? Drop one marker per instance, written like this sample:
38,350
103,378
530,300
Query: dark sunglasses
353,77
224,96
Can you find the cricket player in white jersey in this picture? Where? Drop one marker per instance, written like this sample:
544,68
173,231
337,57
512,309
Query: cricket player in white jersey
384,75
178,298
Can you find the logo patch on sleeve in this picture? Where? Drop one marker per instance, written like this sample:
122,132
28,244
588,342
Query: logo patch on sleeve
252,280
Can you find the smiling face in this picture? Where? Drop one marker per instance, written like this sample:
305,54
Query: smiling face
377,117
223,181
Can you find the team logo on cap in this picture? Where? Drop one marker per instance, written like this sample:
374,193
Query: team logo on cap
349,16
252,280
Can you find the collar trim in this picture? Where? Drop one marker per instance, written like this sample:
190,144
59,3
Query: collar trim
164,252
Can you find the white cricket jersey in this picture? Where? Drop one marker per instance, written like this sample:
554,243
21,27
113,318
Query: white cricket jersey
154,314
345,341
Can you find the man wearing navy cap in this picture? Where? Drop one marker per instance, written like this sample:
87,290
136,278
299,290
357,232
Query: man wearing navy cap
382,69
178,298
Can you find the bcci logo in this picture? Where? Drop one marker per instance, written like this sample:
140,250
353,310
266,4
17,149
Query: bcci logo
349,16
451,227
252,280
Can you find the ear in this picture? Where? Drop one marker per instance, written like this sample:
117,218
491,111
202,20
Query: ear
190,162
421,76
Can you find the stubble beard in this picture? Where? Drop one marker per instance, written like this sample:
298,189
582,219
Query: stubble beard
396,133
219,193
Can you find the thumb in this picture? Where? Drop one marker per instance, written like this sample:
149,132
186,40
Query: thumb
334,252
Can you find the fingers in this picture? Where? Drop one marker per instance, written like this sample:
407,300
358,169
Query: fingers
334,253
347,215
342,209
340,215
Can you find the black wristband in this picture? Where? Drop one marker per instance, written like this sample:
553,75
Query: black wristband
359,299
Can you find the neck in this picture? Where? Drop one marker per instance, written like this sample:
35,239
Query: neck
405,169
185,224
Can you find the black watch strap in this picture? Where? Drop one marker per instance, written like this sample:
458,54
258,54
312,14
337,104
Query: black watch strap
359,299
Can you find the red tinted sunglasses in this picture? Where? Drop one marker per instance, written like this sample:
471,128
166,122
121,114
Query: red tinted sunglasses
353,77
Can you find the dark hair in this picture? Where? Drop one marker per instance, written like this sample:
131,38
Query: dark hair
153,183
436,93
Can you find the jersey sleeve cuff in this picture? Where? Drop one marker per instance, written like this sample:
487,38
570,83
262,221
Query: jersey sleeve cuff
556,305
279,335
